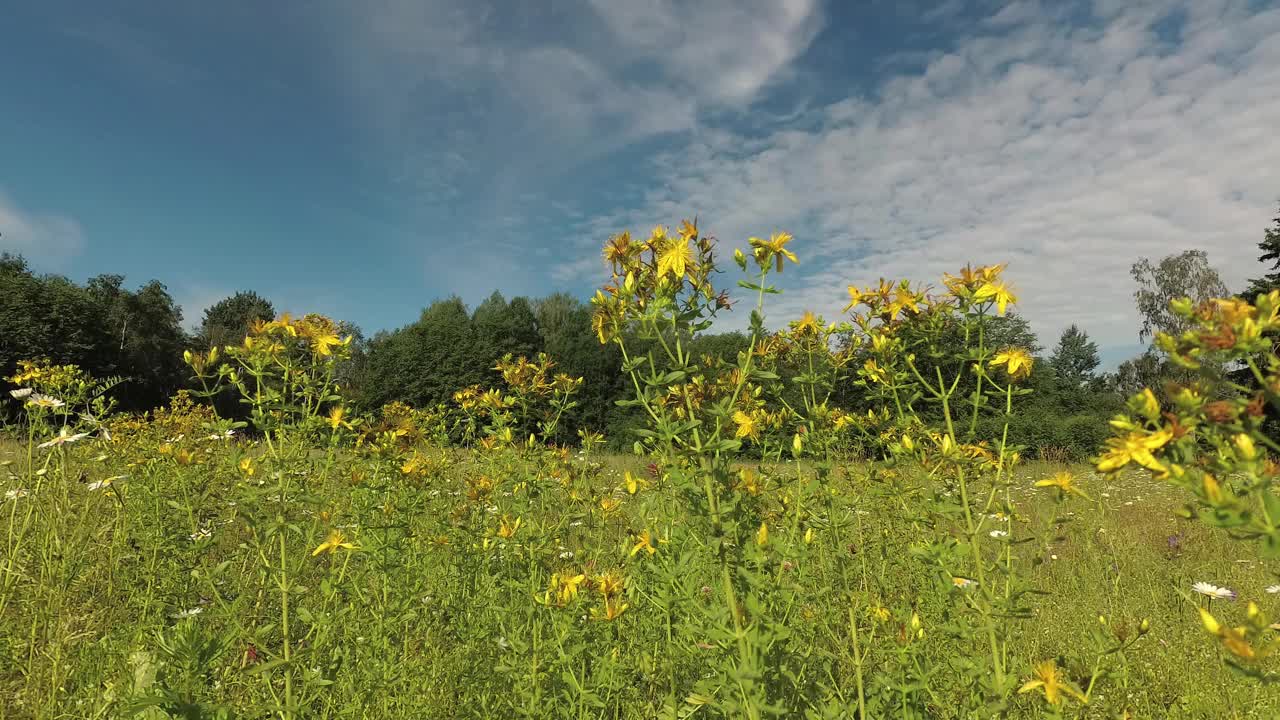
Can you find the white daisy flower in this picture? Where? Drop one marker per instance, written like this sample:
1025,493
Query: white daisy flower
998,533
103,484
963,583
20,393
16,493
184,614
44,401
63,437
1210,590
1274,589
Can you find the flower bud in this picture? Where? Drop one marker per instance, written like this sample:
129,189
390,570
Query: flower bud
1245,446
1210,623
1212,489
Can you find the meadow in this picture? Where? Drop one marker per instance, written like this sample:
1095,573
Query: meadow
156,588
761,553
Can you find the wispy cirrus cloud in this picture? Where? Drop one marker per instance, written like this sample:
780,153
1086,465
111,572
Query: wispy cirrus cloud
719,52
1068,149
480,107
44,238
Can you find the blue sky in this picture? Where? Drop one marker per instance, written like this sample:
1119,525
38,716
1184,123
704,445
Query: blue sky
362,159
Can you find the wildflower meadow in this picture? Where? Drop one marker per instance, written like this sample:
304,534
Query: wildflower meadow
751,543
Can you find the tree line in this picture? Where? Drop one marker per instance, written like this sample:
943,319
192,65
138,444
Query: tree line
138,334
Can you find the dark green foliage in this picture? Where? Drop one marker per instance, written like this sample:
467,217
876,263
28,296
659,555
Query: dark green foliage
101,326
1270,247
44,316
564,323
227,321
1012,331
424,363
724,346
145,332
1075,358
1061,419
501,328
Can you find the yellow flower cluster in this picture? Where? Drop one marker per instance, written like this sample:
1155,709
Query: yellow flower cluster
45,376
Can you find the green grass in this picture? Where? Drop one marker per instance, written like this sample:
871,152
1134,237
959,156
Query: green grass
409,627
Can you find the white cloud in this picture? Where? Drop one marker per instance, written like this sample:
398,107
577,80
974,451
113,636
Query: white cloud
42,238
576,83
722,50
1066,150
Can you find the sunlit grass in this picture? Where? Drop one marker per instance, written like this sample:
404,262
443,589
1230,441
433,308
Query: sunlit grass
424,641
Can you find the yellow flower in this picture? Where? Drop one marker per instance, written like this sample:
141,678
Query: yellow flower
1146,401
331,544
1212,489
1016,362
874,372
1235,640
323,343
618,248
246,466
688,230
632,483
335,417
676,258
565,588
644,542
855,298
1048,679
1135,447
747,427
1245,446
808,323
613,609
762,535
904,299
609,584
1064,482
777,244
507,527
749,481
997,291
609,504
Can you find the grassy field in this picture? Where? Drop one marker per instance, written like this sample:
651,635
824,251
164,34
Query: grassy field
177,589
